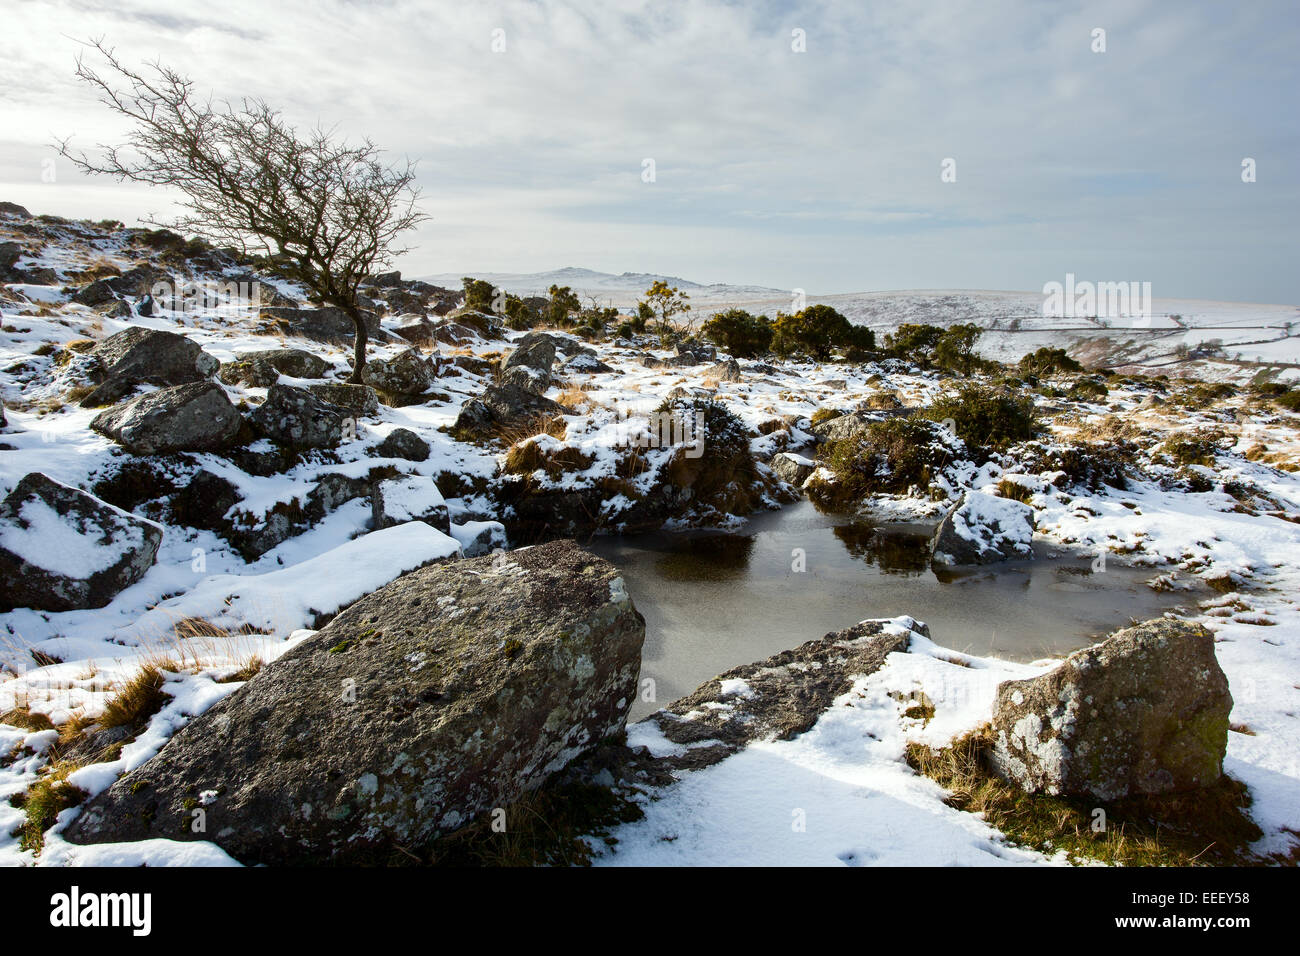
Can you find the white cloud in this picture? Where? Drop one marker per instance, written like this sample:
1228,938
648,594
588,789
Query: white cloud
817,169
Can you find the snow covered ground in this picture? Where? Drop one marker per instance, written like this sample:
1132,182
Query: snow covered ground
840,794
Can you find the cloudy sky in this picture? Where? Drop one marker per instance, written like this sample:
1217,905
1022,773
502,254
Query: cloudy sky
818,169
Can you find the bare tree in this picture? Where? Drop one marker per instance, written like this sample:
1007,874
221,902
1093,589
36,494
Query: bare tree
323,211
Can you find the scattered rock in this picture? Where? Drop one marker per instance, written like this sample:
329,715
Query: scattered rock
302,419
409,498
586,363
62,549
1144,712
466,685
263,368
984,529
403,443
503,406
14,210
360,400
536,350
728,371
406,374
139,356
792,468
193,417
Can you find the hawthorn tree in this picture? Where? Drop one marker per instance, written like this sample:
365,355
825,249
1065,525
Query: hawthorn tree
323,211
666,301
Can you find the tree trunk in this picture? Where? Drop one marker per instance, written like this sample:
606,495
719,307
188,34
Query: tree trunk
359,347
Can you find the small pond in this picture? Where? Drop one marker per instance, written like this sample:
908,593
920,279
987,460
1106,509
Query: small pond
714,600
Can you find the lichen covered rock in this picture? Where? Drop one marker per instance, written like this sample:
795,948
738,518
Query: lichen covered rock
194,417
453,690
1145,712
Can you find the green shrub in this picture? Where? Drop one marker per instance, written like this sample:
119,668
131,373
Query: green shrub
1047,361
1087,389
888,457
479,294
1290,401
819,330
914,342
1193,448
986,417
740,333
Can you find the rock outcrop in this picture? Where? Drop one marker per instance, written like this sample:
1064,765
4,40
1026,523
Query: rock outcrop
402,378
62,549
139,356
793,468
503,406
984,529
263,368
194,417
299,418
455,689
1145,712
329,325
780,697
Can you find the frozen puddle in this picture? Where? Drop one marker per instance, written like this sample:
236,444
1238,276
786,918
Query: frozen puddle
713,600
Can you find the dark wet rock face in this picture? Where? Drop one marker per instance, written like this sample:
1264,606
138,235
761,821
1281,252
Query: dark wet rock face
301,419
453,690
1145,712
62,549
194,417
138,356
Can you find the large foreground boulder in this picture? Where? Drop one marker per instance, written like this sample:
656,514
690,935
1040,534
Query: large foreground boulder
451,691
1145,712
62,549
984,529
194,417
139,356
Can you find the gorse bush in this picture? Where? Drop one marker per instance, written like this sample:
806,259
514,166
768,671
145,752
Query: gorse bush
986,417
479,294
931,346
818,331
1047,361
740,333
887,457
